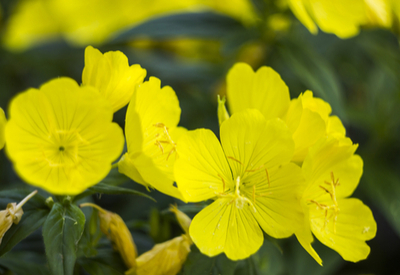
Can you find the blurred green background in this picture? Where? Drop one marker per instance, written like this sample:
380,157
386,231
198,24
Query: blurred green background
192,52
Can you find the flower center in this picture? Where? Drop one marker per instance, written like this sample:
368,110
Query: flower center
163,140
331,190
237,198
63,148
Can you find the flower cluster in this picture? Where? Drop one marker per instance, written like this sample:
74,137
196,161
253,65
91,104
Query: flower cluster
282,166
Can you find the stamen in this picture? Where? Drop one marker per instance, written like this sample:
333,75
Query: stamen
335,207
266,172
165,138
223,183
232,158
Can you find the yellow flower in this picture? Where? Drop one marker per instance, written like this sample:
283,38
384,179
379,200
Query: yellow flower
340,17
250,178
111,74
61,137
12,214
114,227
168,257
332,173
3,122
307,118
151,135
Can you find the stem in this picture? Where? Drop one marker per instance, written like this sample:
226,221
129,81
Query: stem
25,200
93,205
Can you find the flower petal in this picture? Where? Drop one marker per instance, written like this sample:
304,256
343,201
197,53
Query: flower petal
341,17
304,236
252,144
263,90
355,224
331,160
201,170
299,10
278,210
326,153
223,227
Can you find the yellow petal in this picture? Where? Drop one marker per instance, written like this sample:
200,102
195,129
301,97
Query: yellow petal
334,126
151,134
165,258
224,227
127,167
278,210
355,224
299,10
201,171
325,154
340,17
112,76
253,145
310,129
308,119
316,105
61,137
304,235
379,12
3,122
263,90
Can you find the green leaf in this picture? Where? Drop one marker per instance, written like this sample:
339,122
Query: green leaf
35,213
199,264
315,73
61,233
103,188
32,263
201,24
